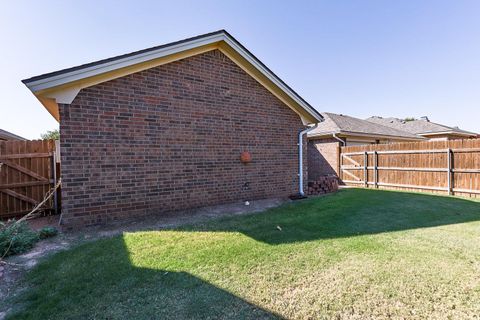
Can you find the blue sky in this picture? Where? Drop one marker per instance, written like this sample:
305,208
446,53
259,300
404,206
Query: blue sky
362,58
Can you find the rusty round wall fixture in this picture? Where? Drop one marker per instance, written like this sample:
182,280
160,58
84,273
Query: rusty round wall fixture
246,157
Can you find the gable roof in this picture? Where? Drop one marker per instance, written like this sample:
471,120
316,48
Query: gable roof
419,126
5,135
63,86
342,124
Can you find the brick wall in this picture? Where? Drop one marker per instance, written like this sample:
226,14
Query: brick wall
170,138
322,185
322,158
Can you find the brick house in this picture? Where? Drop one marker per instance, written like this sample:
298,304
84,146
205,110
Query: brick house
341,130
162,130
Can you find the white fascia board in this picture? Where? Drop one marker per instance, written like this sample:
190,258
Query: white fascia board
448,132
359,134
271,76
377,135
75,75
326,134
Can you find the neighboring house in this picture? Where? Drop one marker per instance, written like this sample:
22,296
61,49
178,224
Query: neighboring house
5,136
162,129
342,130
424,128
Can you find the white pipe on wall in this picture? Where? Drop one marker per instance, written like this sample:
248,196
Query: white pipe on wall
300,158
341,141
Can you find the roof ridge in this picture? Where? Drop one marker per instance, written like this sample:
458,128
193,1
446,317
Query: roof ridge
439,124
331,118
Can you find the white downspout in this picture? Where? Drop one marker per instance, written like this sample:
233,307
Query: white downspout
341,141
300,158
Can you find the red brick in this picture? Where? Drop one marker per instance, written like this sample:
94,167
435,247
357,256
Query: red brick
170,138
323,157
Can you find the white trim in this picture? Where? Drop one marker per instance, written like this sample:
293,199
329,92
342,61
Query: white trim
269,75
359,134
65,96
334,135
447,132
87,72
64,78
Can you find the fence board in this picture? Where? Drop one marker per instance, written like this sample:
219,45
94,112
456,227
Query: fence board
436,166
26,175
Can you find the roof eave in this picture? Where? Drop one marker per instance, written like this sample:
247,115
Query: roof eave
362,134
10,136
459,133
64,85
381,135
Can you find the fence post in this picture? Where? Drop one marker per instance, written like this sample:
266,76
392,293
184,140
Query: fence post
365,169
340,170
339,161
375,159
449,173
54,176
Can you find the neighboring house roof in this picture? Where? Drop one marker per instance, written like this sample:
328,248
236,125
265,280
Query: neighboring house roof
346,125
63,86
421,126
5,135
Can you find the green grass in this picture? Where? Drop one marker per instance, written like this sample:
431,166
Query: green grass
352,255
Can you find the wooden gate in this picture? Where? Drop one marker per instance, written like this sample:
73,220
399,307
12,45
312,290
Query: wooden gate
27,172
352,170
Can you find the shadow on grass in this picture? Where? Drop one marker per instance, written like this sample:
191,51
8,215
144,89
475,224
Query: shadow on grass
99,281
350,212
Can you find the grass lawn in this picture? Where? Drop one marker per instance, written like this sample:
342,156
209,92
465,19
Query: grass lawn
353,255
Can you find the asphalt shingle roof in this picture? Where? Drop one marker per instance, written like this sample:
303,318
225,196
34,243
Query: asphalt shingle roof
339,123
5,135
419,126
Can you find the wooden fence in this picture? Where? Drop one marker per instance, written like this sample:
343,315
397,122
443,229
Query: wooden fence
450,167
27,172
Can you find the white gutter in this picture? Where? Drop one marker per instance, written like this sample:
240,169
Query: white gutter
375,135
334,135
300,157
467,134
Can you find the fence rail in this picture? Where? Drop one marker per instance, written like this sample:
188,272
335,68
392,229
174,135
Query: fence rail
27,172
451,167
